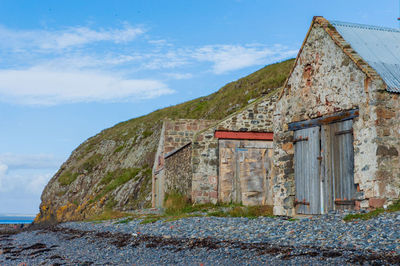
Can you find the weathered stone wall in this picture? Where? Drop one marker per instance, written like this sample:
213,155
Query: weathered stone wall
256,117
181,131
325,81
387,182
174,134
178,171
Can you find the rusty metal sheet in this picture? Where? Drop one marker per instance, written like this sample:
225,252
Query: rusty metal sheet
243,135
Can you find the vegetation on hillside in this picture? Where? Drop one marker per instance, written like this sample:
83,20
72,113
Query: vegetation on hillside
218,105
111,172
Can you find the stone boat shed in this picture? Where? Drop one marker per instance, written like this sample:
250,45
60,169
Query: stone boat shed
337,122
328,140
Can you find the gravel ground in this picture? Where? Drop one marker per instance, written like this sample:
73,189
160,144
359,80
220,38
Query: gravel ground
317,240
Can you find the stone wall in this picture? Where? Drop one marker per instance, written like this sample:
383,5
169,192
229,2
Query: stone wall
325,81
256,117
386,185
178,171
174,134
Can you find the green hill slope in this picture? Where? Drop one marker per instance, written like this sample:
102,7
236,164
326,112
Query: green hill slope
112,170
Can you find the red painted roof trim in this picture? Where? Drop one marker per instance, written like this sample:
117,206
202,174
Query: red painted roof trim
243,135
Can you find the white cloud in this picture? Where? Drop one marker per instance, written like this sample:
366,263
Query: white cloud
227,58
41,86
179,75
36,184
26,173
32,183
62,39
31,161
223,58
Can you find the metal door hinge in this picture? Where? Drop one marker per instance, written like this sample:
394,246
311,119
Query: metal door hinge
304,202
300,139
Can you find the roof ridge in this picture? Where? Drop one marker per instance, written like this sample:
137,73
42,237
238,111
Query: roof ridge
363,26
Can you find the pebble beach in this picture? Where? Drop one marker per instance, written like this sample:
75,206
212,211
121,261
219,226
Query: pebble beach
316,240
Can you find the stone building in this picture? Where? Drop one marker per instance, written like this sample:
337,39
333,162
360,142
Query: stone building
337,122
173,173
232,159
328,140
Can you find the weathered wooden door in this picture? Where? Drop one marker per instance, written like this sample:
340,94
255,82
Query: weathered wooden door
338,165
252,175
307,168
228,185
324,168
244,171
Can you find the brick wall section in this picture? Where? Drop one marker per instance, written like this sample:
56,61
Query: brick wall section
325,81
178,172
256,117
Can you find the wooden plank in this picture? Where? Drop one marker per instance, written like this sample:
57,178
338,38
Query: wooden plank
219,134
252,176
343,116
337,146
343,161
227,168
307,167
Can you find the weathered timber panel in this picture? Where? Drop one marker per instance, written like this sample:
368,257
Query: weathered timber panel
338,166
307,168
343,164
243,170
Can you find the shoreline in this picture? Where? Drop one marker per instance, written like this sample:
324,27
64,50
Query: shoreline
13,228
209,240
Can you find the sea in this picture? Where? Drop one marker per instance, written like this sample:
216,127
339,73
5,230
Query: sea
16,219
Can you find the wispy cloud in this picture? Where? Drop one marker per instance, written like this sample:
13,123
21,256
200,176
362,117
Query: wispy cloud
179,76
226,58
23,161
38,86
51,67
62,39
223,58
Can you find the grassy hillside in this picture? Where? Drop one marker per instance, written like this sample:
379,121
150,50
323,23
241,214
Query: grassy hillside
218,105
111,171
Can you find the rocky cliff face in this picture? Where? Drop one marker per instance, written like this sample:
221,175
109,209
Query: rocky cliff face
112,170
109,171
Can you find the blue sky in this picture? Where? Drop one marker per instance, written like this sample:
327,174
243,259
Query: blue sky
69,69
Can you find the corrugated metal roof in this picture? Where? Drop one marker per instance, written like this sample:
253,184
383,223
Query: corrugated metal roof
378,46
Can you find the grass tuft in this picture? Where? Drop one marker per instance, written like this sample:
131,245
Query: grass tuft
67,177
176,204
372,214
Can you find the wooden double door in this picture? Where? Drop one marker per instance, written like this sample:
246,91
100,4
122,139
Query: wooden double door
324,168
